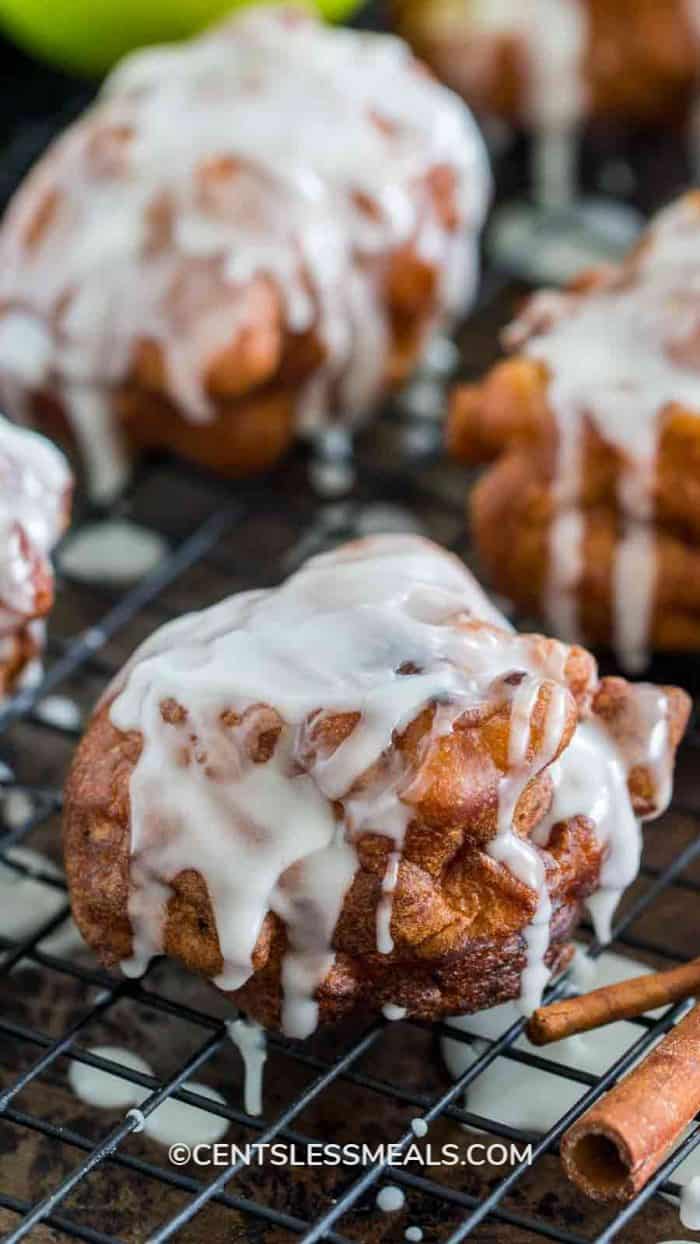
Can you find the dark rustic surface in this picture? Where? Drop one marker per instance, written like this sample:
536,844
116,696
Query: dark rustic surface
225,537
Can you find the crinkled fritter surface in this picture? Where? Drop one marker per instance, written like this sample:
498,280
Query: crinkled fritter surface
458,915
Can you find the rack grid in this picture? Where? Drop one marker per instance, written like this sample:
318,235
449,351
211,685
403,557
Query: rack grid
237,523
70,1172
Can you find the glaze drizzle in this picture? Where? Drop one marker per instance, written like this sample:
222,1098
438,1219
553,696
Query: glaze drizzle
618,358
35,488
234,780
271,148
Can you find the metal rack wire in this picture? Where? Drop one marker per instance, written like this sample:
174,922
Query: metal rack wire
246,536
211,547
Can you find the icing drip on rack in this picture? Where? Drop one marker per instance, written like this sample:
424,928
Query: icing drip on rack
390,1199
170,1122
27,901
617,358
552,36
234,778
251,1042
34,487
592,774
690,1205
556,44
114,550
270,148
533,1099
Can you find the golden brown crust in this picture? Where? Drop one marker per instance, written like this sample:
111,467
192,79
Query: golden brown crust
452,900
19,650
458,916
640,65
253,383
511,419
508,418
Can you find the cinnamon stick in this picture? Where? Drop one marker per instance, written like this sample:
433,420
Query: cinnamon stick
611,1003
613,1150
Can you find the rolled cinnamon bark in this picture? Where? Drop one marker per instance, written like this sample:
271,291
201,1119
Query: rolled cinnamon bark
613,1150
624,1000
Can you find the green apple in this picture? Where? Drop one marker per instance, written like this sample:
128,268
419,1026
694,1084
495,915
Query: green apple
89,38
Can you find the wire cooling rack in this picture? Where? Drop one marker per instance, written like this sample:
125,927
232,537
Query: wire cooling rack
69,1171
354,1083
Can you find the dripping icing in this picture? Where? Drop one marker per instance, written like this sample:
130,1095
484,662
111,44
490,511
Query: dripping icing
383,628
617,358
251,1042
533,1099
34,491
28,902
171,1122
556,41
553,36
192,142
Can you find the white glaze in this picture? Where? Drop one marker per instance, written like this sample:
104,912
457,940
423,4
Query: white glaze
390,1199
170,1122
565,567
552,36
103,1088
688,1170
382,628
332,135
251,1042
526,1097
112,551
27,903
557,32
59,711
99,438
413,1234
690,1205
649,744
520,855
617,357
419,1127
592,773
385,942
583,971
175,1121
17,807
64,943
34,483
393,1013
